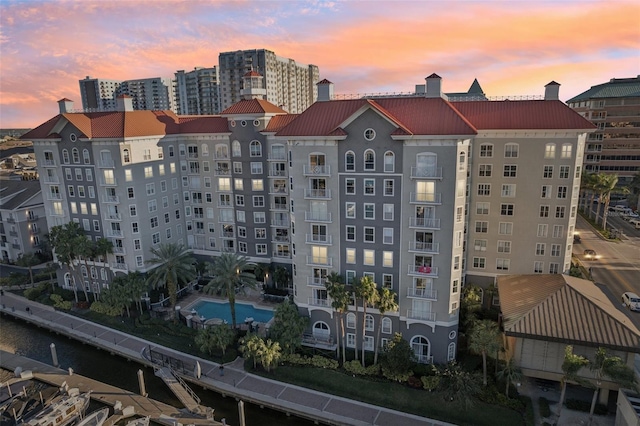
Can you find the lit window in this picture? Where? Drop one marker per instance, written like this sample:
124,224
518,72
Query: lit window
387,259
369,257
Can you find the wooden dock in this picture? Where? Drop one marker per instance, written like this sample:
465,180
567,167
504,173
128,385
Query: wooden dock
102,392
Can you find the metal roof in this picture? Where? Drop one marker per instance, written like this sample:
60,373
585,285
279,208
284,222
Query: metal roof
615,88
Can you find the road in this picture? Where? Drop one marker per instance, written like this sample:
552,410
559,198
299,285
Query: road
618,268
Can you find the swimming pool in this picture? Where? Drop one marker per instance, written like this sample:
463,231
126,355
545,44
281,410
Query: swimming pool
210,309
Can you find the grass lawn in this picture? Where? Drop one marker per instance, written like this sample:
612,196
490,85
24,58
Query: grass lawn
396,396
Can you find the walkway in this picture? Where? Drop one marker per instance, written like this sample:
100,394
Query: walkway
182,392
236,382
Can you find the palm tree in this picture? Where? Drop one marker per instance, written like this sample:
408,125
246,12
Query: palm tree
571,365
483,340
386,303
589,182
136,286
85,248
510,373
613,368
230,273
366,289
101,249
28,260
175,265
337,291
609,186
62,238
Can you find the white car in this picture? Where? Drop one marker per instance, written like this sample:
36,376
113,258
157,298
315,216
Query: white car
631,301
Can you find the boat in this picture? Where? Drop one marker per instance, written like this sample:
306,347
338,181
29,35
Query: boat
62,411
141,421
97,418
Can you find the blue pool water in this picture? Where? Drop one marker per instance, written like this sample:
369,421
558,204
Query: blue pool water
209,309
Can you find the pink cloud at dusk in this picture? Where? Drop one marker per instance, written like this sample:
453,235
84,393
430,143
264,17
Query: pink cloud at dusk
512,48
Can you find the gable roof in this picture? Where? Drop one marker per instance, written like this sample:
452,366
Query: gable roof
562,308
614,88
253,106
278,122
16,194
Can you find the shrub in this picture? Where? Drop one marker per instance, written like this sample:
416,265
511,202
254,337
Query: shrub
106,309
33,293
322,362
355,367
430,383
545,410
414,382
60,303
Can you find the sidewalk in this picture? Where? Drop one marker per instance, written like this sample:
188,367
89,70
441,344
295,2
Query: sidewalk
236,382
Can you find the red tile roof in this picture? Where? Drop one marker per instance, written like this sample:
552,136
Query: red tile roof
252,74
203,124
253,106
278,122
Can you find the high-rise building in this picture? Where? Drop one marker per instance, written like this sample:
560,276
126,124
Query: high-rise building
289,84
154,94
419,193
98,94
614,108
197,92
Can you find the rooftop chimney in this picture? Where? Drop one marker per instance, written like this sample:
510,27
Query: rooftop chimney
551,91
124,103
65,105
434,87
325,90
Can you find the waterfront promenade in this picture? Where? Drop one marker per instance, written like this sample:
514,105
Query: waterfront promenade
236,382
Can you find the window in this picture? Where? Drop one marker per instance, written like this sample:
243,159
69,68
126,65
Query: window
148,172
350,233
558,231
387,211
509,190
108,176
259,217
350,186
486,150
71,191
154,222
542,230
505,228
387,235
369,187
236,150
554,268
479,262
480,245
369,257
484,189
261,249
75,154
456,263
510,170
240,200
350,162
389,162
462,161
351,320
65,157
511,150
238,183
152,205
482,208
85,156
386,325
155,238
260,233
550,150
134,227
241,216
255,149
224,184
369,234
151,188
482,226
130,193
566,150
258,201
502,264
388,187
540,249
369,134
256,168
504,246
459,214
484,170
91,192
350,210
387,282
506,209
350,255
562,192
560,210
369,160
369,211
538,266
555,250
546,191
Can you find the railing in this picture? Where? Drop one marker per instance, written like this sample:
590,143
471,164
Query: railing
316,170
310,339
192,155
318,239
318,282
318,302
277,173
322,261
317,193
54,196
35,231
13,233
277,157
16,246
112,216
279,207
109,182
280,223
110,198
222,172
424,247
227,234
426,198
51,179
426,172
224,204
106,164
119,266
185,387
49,163
199,231
431,271
278,190
33,217
221,156
421,222
11,220
119,250
280,239
423,293
421,315
317,217
114,233
424,359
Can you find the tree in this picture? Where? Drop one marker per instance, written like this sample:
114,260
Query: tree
216,337
483,340
230,273
571,365
608,186
397,359
367,291
63,241
470,305
386,302
251,347
271,354
85,248
339,295
28,260
115,297
288,326
174,266
102,247
510,373
458,384
612,368
589,183
267,353
281,277
135,286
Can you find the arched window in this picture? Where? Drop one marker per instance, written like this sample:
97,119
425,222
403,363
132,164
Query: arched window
94,273
421,348
369,323
451,352
386,325
369,160
389,162
205,150
65,156
68,280
103,274
462,160
321,330
255,149
236,150
350,161
83,269
222,151
85,156
76,155
126,156
351,320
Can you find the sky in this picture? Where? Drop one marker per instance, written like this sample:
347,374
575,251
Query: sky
513,47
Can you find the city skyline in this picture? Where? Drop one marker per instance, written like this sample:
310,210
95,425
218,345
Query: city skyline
512,48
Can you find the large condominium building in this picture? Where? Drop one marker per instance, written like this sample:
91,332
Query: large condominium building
289,84
154,94
614,107
414,192
197,92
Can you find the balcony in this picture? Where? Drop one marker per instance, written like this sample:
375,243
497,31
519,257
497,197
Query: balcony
282,255
112,216
278,190
51,179
114,233
222,172
16,246
421,315
319,261
227,234
317,282
13,233
280,239
49,163
279,207
318,194
312,301
110,199
107,164
192,155
277,173
277,157
424,223
423,271
423,247
225,204
426,198
108,182
423,293
11,220
318,239
54,196
119,250
424,359
119,266
225,219
221,156
426,172
199,231
33,217
35,231
309,170
280,223
317,217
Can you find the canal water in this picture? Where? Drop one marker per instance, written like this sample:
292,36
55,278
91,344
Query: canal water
33,342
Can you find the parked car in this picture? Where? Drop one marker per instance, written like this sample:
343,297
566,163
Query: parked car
631,215
631,301
590,254
576,238
635,223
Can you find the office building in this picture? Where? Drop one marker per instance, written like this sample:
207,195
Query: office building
153,94
197,91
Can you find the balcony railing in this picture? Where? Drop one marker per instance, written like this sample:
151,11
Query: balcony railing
221,156
113,216
426,198
280,239
49,163
309,170
317,217
106,164
35,231
33,217
318,239
199,231
423,293
278,190
16,246
429,271
421,315
426,172
277,157
119,266
323,194
110,199
321,261
424,247
280,223
424,359
192,155
54,196
421,222
277,173
13,233
222,172
119,250
312,301
114,233
227,234
11,220
318,282
279,207
51,179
